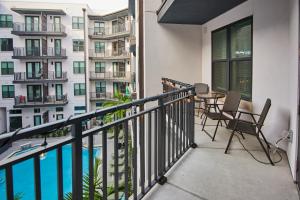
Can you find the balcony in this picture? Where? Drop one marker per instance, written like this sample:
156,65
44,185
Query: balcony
156,140
120,54
37,53
114,76
102,96
122,30
50,100
48,77
23,29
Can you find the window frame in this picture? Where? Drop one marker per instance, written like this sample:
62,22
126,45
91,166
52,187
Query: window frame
78,69
100,67
76,24
81,89
77,47
5,70
230,60
8,96
6,23
8,48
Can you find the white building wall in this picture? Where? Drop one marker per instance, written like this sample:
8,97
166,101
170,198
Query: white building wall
275,74
172,51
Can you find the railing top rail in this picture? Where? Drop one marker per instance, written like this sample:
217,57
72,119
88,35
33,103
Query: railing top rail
46,128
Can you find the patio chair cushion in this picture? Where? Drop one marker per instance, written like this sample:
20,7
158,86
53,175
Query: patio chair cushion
242,126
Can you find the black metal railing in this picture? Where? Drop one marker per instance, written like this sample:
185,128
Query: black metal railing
43,76
101,96
37,52
109,31
121,52
37,27
150,134
111,75
21,100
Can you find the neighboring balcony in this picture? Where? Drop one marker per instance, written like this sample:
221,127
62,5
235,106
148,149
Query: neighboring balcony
50,100
37,53
121,30
48,77
23,29
120,54
115,76
98,96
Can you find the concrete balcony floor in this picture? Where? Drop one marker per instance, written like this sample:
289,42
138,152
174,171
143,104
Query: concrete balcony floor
206,173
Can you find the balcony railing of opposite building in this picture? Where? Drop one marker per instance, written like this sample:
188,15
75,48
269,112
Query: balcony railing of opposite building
28,101
21,52
40,77
126,76
102,96
152,135
37,28
108,32
109,54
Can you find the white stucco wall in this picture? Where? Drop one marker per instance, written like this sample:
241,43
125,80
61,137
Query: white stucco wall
275,41
172,51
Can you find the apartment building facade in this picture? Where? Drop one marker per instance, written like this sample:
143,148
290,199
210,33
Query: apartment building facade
52,57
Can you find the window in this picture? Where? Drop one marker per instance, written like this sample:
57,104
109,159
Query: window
232,58
32,23
34,93
78,67
15,112
33,70
59,92
99,47
37,120
37,110
7,68
6,44
77,22
100,87
59,109
6,21
32,47
79,110
78,45
59,116
79,89
58,70
8,91
99,67
99,27
15,123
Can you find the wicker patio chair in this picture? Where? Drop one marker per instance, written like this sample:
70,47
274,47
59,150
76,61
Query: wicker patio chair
201,88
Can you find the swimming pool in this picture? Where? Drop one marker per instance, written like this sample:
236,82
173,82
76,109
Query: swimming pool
23,174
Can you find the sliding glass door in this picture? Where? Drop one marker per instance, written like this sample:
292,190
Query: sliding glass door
32,23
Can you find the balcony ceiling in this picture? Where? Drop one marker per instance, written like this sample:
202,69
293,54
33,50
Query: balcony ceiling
109,16
23,11
193,11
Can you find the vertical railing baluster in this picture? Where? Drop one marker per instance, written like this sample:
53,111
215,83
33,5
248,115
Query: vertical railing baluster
169,135
180,127
149,148
77,161
104,164
116,161
173,131
134,159
177,128
184,124
9,182
126,159
155,145
37,177
91,166
60,192
193,144
142,153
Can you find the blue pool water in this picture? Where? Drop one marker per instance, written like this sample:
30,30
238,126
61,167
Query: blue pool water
23,175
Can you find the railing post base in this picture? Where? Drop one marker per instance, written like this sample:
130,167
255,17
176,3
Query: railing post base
194,145
162,180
